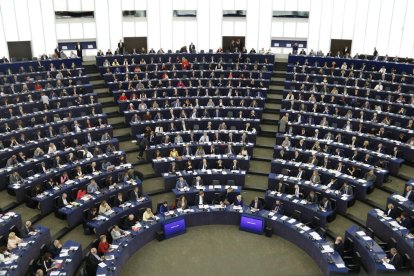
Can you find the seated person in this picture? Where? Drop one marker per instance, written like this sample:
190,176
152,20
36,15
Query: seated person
119,200
203,165
55,248
28,229
5,255
256,204
164,207
297,191
104,207
312,198
278,209
103,246
325,204
405,220
339,245
117,233
81,192
129,222
13,241
148,215
391,211
238,201
181,183
63,200
200,199
135,194
182,202
197,181
394,259
92,187
92,261
346,189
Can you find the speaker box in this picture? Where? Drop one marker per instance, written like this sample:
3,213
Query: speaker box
268,231
160,235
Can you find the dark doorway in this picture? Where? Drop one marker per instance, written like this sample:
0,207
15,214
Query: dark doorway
135,42
227,45
20,50
340,45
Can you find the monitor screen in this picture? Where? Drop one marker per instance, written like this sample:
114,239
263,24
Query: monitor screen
252,224
174,227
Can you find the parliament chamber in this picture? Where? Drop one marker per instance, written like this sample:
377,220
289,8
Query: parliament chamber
216,138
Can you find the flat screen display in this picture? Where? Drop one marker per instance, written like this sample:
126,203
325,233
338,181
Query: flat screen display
174,227
252,224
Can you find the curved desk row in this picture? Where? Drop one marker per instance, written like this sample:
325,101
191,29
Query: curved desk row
342,201
27,250
163,165
316,247
387,228
361,186
69,259
74,212
222,176
103,222
394,163
46,201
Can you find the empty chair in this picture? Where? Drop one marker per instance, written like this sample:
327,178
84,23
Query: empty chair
297,215
215,182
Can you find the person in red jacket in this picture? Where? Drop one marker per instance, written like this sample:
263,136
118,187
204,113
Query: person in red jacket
81,193
123,97
103,246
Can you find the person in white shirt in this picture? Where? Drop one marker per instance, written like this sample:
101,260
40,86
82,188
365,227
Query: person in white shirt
52,148
290,96
378,87
204,138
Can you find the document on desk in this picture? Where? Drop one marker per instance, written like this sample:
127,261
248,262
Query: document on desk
388,266
361,233
327,249
340,265
102,264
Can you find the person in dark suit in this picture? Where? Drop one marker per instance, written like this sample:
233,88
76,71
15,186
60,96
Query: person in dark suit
91,214
391,211
395,259
227,196
200,199
55,248
92,262
63,200
192,48
57,51
339,245
256,204
405,221
79,50
312,197
129,222
409,194
121,47
119,200
280,187
325,204
278,208
135,194
27,229
164,207
346,189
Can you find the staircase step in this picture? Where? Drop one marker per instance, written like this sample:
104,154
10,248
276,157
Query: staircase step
270,116
265,141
